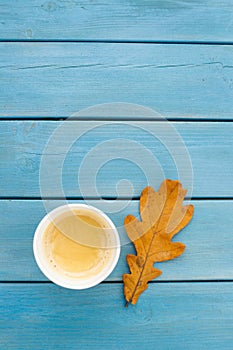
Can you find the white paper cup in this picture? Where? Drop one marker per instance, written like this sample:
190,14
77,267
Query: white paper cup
43,261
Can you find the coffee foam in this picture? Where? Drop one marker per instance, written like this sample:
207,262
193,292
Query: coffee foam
103,255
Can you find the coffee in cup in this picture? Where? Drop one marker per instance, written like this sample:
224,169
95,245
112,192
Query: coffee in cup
76,246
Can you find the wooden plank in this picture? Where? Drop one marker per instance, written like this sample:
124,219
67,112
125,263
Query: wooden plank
117,20
109,156
58,79
168,316
208,239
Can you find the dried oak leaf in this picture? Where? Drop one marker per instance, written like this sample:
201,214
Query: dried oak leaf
163,215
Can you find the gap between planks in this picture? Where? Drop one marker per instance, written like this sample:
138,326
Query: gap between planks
8,198
102,41
121,282
121,119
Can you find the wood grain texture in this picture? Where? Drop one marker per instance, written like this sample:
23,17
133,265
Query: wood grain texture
58,79
208,239
41,80
117,20
109,156
168,316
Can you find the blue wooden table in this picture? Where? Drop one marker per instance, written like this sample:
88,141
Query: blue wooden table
59,57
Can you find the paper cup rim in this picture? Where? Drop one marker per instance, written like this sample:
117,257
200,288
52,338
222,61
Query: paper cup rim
43,264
